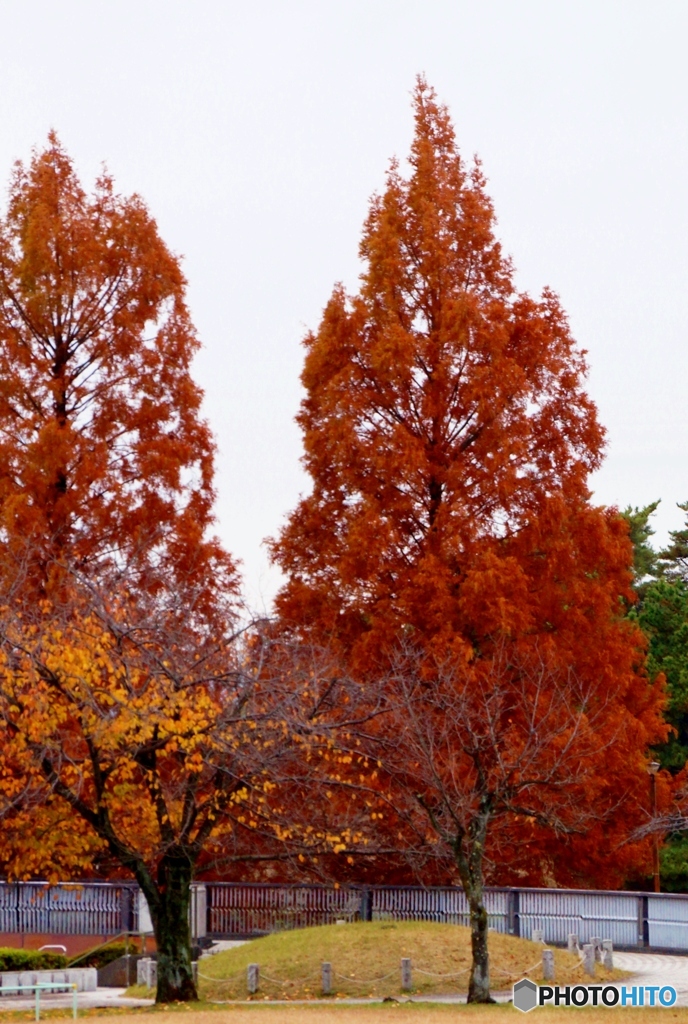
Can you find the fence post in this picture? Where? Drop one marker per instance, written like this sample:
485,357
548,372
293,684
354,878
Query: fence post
514,905
326,978
366,908
608,953
573,942
589,959
643,923
406,981
596,943
252,978
145,921
548,965
199,911
537,935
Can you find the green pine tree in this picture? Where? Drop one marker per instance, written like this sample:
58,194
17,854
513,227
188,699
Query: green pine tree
663,617
644,555
673,560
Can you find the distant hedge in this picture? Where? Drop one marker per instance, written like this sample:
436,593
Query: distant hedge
30,960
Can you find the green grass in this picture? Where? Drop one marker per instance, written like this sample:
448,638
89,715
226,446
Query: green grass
366,957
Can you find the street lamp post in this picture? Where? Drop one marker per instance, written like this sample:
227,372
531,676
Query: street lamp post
653,768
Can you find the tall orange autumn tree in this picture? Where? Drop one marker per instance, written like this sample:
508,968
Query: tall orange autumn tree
449,440
106,490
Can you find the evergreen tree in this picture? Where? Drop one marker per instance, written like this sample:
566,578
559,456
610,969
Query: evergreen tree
644,555
663,617
673,560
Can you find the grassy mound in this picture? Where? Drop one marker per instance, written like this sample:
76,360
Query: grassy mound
366,957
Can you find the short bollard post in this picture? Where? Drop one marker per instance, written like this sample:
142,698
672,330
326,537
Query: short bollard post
143,972
608,954
326,979
537,935
548,965
589,959
406,982
252,978
573,942
596,942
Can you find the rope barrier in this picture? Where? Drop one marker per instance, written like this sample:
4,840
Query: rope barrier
222,981
361,981
273,981
431,974
515,974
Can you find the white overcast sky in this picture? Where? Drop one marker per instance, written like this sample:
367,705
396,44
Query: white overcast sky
257,132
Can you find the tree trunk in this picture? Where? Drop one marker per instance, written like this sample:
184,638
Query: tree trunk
172,933
479,986
469,849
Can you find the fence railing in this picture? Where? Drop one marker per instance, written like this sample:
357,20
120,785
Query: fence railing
233,910
629,919
92,908
256,909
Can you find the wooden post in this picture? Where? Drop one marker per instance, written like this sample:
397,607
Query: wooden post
548,965
252,978
406,981
573,942
589,959
608,953
326,979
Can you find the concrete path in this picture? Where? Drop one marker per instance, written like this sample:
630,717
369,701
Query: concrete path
656,969
220,945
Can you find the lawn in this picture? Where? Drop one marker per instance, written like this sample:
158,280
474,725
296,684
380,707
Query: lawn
376,1014
365,959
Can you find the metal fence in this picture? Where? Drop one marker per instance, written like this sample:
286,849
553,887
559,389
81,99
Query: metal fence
93,908
244,910
629,919
233,910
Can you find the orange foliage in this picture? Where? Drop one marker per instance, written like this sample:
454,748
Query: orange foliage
104,458
449,440
106,493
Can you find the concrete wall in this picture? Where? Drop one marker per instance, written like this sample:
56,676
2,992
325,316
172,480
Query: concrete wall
85,978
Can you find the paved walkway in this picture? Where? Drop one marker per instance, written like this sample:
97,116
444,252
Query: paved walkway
656,969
